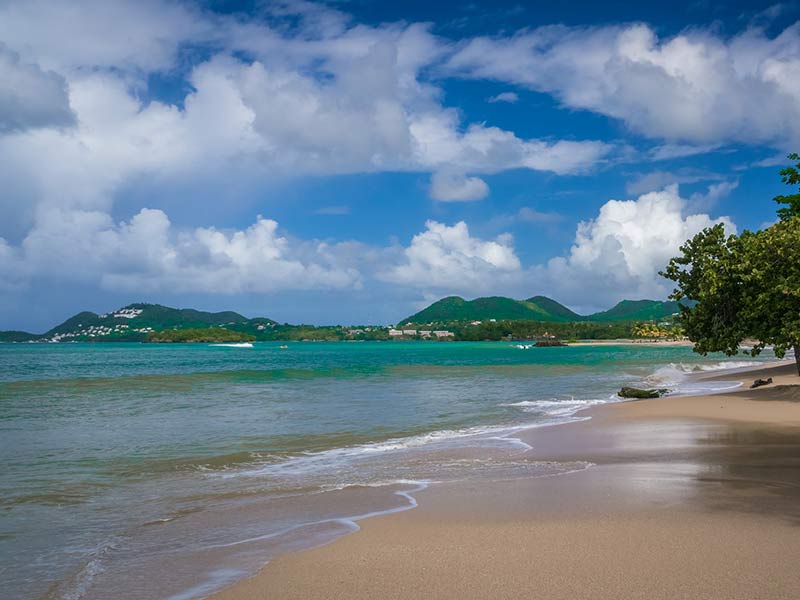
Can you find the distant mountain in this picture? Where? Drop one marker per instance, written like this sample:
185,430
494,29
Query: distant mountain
537,308
17,336
136,321
637,310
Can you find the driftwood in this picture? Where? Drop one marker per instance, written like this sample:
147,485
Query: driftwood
632,392
760,382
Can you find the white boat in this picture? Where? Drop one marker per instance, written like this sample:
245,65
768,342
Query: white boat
235,345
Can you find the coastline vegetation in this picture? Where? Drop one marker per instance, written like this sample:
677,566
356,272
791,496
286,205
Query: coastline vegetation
207,335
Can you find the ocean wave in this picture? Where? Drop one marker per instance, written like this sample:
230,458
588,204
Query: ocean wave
76,587
308,462
555,407
678,374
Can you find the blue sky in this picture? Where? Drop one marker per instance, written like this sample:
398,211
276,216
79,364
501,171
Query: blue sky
349,162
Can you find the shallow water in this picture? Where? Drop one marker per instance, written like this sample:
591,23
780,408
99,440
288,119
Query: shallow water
160,471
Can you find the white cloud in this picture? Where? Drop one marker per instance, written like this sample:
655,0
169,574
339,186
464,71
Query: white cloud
658,180
482,149
509,97
704,202
322,96
457,187
695,87
69,35
772,161
670,151
29,96
619,253
449,259
148,254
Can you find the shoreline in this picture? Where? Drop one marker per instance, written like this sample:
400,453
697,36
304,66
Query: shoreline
656,448
633,342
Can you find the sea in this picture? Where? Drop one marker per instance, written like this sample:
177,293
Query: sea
134,471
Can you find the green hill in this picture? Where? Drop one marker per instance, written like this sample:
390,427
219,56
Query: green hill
17,336
554,308
135,322
637,310
454,308
537,308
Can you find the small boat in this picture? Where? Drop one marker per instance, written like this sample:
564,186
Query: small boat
283,347
524,346
234,345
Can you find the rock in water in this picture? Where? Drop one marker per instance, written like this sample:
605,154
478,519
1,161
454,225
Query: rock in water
549,343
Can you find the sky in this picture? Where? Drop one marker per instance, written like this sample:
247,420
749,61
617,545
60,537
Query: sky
351,162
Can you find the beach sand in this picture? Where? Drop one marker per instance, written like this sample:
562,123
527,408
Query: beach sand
690,498
632,342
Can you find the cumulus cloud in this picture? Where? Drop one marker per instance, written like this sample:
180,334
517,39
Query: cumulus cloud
29,96
148,254
695,87
619,253
457,187
450,259
616,255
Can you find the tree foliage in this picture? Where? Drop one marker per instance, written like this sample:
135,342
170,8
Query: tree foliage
743,287
790,176
209,334
652,331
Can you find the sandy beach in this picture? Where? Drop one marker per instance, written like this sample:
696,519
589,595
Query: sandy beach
687,498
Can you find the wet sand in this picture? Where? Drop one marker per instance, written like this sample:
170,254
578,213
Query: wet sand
695,498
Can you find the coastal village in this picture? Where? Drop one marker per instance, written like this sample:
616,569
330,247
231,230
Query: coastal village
95,331
423,333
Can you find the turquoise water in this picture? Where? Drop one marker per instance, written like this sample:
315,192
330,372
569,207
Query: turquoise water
149,471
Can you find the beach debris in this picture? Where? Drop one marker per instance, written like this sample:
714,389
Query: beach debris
760,382
632,392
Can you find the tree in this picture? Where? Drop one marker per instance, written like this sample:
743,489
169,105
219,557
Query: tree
745,286
790,176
